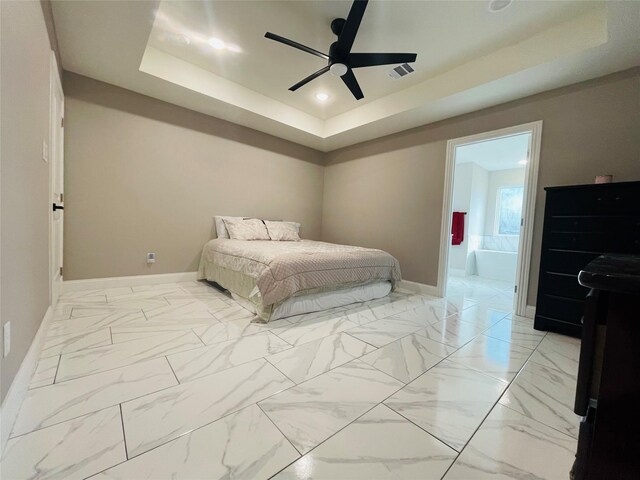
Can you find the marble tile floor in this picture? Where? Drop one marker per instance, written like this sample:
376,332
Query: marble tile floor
177,381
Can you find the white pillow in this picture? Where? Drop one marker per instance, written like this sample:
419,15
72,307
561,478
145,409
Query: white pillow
283,231
249,229
221,229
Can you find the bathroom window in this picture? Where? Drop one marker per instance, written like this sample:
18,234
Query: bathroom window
509,210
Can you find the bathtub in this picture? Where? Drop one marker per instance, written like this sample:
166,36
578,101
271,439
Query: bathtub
496,265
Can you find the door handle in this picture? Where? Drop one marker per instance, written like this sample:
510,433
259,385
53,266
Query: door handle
57,207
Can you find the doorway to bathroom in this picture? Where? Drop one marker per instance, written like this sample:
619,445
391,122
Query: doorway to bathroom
489,202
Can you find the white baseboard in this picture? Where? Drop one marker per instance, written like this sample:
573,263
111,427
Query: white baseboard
20,385
531,311
111,282
416,287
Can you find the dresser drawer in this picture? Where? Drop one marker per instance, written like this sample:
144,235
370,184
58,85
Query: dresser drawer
563,261
597,224
563,285
605,199
613,242
565,309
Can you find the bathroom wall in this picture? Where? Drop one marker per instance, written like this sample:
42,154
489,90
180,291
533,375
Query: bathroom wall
497,179
470,188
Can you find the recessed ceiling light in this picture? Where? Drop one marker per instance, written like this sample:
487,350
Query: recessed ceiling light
322,97
524,161
499,5
216,43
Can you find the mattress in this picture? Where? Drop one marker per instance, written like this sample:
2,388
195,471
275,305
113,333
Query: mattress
267,273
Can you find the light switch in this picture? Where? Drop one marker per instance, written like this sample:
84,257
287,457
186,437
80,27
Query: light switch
45,151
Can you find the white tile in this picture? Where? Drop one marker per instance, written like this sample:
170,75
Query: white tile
409,357
509,445
316,357
221,356
482,315
150,328
449,401
241,445
232,311
71,450
45,372
72,342
94,322
157,418
385,331
516,332
426,314
494,357
451,331
545,395
187,310
100,359
312,411
87,310
313,329
379,445
558,352
63,401
230,329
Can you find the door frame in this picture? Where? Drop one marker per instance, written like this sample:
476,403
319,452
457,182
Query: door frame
528,207
55,86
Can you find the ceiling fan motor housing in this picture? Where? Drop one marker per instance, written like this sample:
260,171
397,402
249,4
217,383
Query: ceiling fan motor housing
337,63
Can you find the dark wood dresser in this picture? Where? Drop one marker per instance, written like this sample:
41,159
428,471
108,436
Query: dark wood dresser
608,384
581,222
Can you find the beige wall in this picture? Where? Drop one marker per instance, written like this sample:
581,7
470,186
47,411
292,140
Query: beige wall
24,184
387,193
144,176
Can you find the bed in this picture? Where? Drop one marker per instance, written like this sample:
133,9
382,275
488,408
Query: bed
277,279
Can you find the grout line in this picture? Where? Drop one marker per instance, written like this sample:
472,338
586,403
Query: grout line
281,432
124,436
488,413
173,371
55,376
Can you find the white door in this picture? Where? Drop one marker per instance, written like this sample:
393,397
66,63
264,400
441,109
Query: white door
56,159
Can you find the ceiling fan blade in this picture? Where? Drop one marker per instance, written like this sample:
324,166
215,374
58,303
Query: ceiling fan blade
301,83
350,81
358,60
299,46
350,29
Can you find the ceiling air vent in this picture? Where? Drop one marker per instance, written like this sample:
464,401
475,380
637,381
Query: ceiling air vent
400,71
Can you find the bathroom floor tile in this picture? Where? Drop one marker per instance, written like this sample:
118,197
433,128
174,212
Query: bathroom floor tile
494,357
313,358
449,401
160,417
100,359
545,395
409,357
241,445
379,445
71,450
509,445
221,356
312,411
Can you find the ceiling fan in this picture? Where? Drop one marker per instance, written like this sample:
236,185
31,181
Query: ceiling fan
341,61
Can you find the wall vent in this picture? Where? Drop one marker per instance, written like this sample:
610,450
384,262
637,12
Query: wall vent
400,71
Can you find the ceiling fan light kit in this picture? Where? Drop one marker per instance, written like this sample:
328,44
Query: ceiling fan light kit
341,61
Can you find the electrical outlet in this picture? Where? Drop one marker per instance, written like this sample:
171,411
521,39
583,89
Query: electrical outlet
151,257
6,336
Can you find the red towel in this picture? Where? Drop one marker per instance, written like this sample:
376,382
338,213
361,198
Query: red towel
457,228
